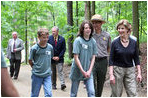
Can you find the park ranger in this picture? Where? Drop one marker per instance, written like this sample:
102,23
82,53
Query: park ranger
103,43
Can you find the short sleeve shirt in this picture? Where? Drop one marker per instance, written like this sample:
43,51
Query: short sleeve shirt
85,50
103,42
41,58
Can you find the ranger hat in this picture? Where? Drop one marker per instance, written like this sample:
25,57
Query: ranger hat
97,17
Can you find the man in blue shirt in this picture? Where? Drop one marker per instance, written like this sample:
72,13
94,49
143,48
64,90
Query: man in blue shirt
59,47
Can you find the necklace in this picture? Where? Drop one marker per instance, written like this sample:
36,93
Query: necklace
124,41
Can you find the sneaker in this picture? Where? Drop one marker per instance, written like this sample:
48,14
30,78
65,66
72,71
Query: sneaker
63,86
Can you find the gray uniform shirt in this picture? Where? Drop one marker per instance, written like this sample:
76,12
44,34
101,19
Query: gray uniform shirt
85,50
103,42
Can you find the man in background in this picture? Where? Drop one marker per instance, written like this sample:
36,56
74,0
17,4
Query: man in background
14,48
59,47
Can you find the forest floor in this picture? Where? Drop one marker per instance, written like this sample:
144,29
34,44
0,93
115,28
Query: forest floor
23,83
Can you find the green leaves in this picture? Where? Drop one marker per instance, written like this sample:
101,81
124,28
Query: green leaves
50,13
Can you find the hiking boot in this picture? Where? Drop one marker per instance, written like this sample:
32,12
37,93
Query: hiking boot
63,86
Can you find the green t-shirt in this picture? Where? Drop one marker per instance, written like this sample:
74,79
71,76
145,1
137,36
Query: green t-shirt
85,49
41,58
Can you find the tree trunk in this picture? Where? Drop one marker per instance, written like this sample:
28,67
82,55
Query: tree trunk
126,16
53,16
87,10
77,21
135,20
70,23
119,11
93,8
26,47
107,14
141,27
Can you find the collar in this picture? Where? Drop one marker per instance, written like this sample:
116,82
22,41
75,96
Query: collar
56,38
98,34
15,39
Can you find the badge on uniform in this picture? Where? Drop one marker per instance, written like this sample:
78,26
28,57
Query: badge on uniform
104,38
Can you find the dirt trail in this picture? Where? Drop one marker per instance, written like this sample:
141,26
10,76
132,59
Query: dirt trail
23,85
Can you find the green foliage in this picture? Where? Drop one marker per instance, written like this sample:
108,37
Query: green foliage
40,14
46,13
67,61
143,39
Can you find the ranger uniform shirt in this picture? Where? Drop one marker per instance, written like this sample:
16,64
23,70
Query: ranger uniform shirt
103,43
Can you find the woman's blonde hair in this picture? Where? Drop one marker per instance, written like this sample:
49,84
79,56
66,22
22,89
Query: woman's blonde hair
125,23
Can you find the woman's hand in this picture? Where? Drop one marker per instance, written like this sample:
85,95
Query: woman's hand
139,78
112,79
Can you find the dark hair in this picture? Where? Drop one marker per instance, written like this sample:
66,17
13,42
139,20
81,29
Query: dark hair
42,30
81,30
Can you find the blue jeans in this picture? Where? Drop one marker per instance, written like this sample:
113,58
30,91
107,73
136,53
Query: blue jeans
89,87
37,83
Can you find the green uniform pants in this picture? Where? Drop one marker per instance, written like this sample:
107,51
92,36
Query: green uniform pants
124,77
99,74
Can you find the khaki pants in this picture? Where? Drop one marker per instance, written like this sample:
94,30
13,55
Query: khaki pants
57,67
124,77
